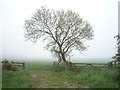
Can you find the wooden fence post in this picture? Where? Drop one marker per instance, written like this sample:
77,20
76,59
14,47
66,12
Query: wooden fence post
110,65
54,63
115,63
67,65
23,65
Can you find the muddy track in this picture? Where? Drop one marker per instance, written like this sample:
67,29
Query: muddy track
41,82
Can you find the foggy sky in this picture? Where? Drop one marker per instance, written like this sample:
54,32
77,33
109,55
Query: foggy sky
102,15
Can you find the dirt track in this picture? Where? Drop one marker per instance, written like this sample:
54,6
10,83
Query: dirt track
44,81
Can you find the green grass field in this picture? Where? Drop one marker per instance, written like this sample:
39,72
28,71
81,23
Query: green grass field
45,75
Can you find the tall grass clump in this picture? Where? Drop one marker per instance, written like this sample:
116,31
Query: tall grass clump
103,78
15,79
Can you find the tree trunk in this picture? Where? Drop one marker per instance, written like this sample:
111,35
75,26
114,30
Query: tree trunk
67,64
59,59
63,57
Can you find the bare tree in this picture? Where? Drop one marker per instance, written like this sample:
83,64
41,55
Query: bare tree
64,31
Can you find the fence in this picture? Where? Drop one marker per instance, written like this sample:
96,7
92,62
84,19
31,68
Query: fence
94,65
114,64
18,63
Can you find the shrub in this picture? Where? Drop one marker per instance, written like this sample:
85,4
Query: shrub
13,68
5,61
8,66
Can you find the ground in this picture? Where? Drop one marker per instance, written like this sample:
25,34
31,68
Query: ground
43,81
45,75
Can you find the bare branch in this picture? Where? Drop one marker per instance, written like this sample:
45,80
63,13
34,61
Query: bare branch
63,30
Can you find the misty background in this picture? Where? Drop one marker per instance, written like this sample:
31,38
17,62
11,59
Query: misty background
102,15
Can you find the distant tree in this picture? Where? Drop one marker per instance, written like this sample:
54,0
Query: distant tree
117,56
64,31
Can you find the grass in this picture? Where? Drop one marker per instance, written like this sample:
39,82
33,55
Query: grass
104,78
56,77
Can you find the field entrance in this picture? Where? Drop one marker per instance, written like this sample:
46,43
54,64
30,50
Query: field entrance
49,76
45,75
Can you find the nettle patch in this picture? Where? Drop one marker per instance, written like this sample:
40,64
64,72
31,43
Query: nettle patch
7,65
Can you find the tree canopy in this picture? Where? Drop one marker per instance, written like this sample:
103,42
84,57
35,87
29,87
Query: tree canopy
117,55
63,30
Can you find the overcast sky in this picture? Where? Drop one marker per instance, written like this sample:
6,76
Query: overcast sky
102,14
